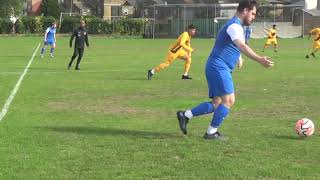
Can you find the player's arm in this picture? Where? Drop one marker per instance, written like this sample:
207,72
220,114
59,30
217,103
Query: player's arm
240,62
183,43
235,32
45,34
310,33
317,36
246,50
189,45
72,37
270,34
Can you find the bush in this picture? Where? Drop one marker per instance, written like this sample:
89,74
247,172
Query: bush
131,27
69,23
94,25
20,28
47,21
5,26
107,27
33,24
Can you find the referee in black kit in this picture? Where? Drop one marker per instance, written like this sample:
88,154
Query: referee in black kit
81,37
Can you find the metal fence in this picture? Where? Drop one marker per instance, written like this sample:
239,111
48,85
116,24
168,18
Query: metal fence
169,20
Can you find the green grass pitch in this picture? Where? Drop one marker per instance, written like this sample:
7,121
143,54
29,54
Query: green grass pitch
107,121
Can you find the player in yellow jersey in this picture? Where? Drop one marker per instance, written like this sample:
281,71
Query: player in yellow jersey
272,38
180,49
316,43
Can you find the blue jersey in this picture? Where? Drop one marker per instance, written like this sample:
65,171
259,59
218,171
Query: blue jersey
50,32
225,54
248,31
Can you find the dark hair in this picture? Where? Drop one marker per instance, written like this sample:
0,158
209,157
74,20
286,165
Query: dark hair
249,4
191,26
274,26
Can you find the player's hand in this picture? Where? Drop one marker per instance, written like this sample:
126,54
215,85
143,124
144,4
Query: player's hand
240,63
266,61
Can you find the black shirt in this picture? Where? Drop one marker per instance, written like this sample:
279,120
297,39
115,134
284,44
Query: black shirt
81,36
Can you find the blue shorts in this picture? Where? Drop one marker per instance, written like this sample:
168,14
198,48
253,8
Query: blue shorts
49,42
219,81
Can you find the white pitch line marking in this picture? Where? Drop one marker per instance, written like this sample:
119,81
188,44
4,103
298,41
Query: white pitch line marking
16,88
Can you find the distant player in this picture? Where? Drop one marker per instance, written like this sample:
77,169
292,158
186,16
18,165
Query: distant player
272,38
81,36
221,62
50,39
316,43
247,34
180,49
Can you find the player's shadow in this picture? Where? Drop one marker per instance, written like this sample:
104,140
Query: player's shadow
287,137
111,132
129,78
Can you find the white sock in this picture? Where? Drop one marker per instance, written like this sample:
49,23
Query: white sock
188,114
185,74
152,71
211,130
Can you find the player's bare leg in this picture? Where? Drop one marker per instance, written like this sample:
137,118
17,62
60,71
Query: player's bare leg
276,48
187,59
216,101
312,54
264,47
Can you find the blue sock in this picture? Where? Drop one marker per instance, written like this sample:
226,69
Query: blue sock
51,50
43,50
219,114
203,108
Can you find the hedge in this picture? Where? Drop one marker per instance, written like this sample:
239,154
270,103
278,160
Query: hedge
5,26
126,26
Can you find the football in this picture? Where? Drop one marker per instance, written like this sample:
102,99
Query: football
304,127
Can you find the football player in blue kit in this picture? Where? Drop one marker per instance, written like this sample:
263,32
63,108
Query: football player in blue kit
224,57
50,39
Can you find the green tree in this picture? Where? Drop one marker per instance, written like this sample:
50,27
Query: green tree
10,7
50,8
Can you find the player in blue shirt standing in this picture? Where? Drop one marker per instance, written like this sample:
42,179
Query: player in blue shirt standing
247,34
50,39
222,60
